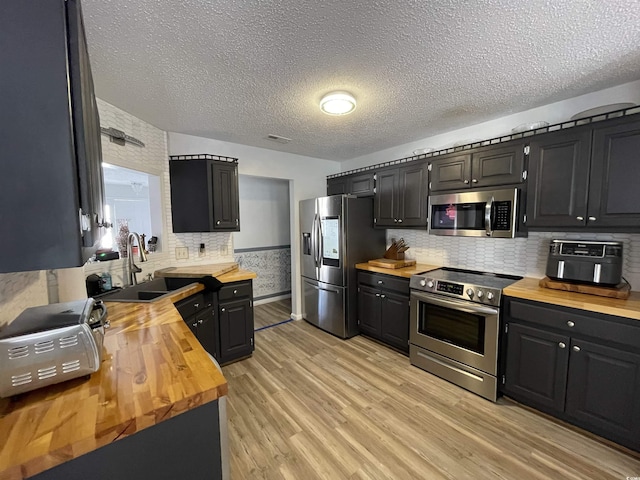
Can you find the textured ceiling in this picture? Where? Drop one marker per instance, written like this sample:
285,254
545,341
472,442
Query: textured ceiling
238,70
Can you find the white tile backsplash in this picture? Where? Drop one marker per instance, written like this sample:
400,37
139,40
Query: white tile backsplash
526,257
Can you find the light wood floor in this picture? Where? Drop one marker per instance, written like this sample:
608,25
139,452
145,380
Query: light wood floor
308,406
270,313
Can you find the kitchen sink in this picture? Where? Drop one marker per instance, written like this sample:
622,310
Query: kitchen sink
145,292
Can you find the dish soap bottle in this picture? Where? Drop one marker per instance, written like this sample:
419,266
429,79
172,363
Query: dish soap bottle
106,281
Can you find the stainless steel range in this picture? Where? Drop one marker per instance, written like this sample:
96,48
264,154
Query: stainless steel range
455,323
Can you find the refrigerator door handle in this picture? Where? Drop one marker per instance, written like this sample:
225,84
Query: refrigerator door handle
314,240
320,243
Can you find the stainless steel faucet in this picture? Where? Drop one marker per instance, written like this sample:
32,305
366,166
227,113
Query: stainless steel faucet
133,268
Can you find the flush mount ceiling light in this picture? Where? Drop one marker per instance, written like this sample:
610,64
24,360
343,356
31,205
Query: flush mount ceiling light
338,103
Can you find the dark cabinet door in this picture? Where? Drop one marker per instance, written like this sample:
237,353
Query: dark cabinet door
394,320
536,366
224,181
386,199
614,193
361,184
497,166
559,179
337,185
452,172
603,390
236,329
207,330
412,193
369,311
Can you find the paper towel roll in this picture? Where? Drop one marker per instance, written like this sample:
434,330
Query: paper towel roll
71,284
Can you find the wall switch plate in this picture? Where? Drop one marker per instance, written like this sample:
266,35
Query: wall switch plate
182,253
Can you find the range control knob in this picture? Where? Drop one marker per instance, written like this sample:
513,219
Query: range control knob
470,292
423,283
490,296
480,294
430,284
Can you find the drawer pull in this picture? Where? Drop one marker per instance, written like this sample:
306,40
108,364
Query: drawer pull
382,296
235,292
222,309
562,345
380,282
194,325
580,219
200,321
377,294
196,305
570,324
576,348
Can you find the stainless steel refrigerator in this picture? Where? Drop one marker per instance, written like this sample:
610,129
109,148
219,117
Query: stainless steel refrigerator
336,233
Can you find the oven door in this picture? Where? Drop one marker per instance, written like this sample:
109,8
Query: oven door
462,331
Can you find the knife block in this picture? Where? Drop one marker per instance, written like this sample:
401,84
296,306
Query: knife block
394,255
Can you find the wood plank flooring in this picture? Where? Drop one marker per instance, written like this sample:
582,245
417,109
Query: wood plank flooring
270,313
308,406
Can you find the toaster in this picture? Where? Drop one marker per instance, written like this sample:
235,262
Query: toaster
51,344
585,261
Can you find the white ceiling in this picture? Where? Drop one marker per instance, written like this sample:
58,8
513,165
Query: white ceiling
237,70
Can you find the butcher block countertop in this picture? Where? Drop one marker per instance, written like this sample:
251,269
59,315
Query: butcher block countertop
197,271
405,272
153,369
528,289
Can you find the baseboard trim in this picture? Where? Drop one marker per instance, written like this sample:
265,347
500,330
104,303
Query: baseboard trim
296,316
271,298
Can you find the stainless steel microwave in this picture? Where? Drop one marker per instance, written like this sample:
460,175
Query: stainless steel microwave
490,213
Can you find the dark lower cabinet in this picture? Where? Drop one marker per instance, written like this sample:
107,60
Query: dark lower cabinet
603,388
223,321
236,329
537,364
383,309
579,366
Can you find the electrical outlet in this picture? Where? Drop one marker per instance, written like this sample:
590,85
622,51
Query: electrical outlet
202,252
182,253
224,250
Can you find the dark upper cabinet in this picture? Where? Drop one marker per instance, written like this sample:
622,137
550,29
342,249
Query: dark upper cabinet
359,184
204,195
51,173
482,167
586,176
559,178
401,196
614,196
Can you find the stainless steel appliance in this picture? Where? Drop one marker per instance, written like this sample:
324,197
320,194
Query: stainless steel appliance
489,213
51,344
454,326
336,233
585,261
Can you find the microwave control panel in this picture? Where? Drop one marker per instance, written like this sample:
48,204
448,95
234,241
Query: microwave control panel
502,219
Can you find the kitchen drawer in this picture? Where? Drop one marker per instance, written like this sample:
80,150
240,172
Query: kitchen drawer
387,282
189,306
603,327
235,290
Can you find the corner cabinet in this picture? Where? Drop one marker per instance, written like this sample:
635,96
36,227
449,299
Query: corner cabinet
51,173
204,193
383,309
223,321
586,177
482,167
579,366
401,196
359,184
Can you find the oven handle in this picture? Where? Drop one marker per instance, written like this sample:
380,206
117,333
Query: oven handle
457,304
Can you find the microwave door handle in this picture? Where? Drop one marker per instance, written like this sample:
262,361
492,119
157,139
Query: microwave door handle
487,217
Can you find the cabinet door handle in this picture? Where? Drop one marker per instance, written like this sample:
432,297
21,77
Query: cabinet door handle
475,180
399,220
395,220
562,345
222,309
200,321
383,296
580,219
576,348
570,324
466,182
377,294
218,222
235,292
592,219
380,282
196,305
194,325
